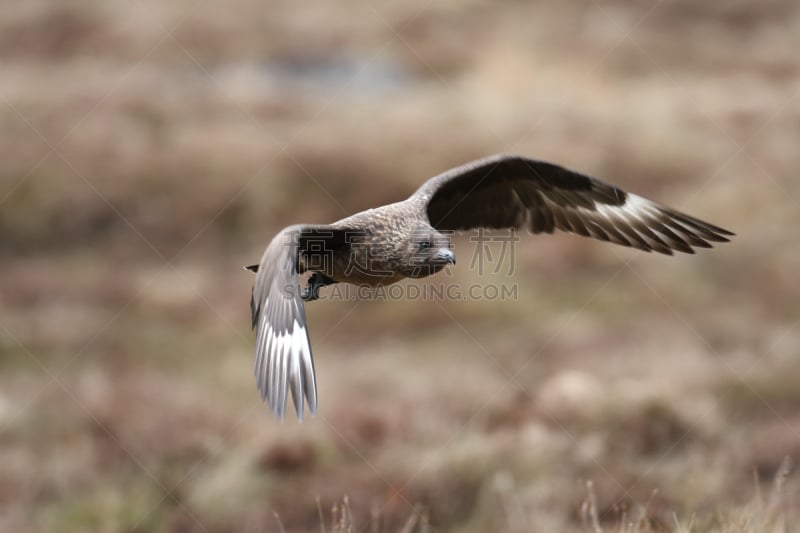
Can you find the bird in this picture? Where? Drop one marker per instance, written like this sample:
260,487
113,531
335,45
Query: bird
412,239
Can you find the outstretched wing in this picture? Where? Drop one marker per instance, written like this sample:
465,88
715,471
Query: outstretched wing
283,354
506,191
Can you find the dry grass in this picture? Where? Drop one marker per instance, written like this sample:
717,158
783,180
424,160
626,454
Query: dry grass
152,148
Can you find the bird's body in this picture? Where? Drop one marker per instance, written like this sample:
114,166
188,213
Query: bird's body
411,239
379,241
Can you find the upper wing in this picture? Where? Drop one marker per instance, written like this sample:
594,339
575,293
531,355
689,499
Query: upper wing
506,191
283,354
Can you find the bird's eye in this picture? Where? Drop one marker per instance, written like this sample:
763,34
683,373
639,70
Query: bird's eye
425,244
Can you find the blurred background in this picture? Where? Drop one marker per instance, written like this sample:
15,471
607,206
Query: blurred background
150,149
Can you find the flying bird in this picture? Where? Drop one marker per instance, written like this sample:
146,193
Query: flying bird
410,239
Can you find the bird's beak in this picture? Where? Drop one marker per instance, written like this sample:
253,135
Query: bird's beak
445,255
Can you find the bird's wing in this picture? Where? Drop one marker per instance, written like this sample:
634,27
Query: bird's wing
507,191
283,354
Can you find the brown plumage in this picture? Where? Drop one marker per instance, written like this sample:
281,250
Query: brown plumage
401,240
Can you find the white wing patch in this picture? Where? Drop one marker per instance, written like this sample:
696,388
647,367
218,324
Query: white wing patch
283,361
640,223
637,215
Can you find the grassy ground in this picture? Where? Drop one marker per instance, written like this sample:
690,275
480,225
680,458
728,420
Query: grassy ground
151,148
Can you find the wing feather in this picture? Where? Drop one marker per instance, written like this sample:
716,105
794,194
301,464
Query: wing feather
507,191
283,358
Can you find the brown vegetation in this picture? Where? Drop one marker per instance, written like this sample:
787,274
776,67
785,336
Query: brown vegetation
150,149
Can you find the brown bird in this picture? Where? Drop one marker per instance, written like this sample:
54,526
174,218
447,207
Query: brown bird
408,240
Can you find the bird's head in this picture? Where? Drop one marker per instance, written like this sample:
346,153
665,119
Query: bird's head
429,251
